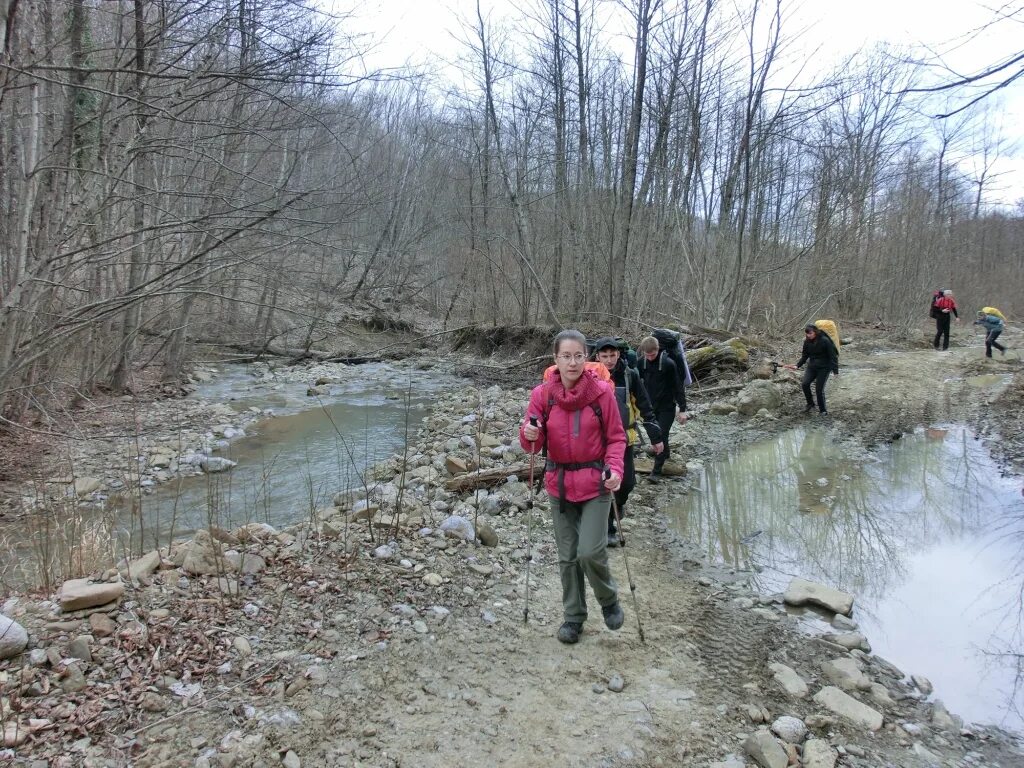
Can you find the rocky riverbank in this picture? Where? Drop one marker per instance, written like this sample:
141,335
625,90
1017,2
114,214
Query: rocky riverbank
388,629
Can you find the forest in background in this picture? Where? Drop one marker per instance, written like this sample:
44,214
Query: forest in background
222,170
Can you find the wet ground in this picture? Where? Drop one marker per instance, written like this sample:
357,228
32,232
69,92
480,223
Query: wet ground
925,531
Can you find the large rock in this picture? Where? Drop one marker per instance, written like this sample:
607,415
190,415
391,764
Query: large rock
204,556
848,707
846,673
849,640
210,464
141,567
790,681
765,750
801,592
818,753
86,485
758,394
76,594
455,465
13,638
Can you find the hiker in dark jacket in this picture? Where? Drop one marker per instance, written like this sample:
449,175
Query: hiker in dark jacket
822,358
633,401
944,307
993,326
665,388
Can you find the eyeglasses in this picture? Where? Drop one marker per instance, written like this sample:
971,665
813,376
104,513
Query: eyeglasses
565,357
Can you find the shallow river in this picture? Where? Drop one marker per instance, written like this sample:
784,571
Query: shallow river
924,532
298,459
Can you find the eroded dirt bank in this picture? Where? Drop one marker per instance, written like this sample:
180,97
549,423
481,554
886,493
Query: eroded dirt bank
326,645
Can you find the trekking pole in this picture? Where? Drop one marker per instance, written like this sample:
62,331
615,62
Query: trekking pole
529,525
625,559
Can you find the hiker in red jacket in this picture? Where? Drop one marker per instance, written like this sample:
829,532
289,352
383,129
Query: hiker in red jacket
577,421
944,307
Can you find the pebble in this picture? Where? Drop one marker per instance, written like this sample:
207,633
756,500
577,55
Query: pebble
420,627
433,580
291,760
616,684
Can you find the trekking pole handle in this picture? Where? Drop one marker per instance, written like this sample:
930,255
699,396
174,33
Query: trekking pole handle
533,421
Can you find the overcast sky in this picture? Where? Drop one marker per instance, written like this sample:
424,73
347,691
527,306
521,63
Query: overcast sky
425,32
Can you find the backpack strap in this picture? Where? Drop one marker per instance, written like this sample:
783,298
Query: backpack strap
550,465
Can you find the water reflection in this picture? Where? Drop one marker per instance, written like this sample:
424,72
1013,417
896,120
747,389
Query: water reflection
924,532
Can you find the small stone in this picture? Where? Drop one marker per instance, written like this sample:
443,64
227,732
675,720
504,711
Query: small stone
790,729
616,684
766,750
74,679
433,580
790,681
923,684
481,568
291,760
153,702
101,625
242,646
818,753
487,535
598,688
420,627
843,623
79,649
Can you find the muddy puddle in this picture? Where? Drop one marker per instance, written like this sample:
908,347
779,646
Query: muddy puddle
925,532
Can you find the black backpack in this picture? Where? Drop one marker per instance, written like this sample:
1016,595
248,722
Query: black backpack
934,313
671,344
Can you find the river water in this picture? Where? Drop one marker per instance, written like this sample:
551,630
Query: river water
925,532
309,450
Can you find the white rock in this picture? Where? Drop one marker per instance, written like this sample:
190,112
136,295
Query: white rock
211,464
790,681
790,729
818,753
82,593
13,638
801,592
765,750
846,672
848,707
923,684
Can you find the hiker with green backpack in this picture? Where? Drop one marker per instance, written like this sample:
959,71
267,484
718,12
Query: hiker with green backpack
634,406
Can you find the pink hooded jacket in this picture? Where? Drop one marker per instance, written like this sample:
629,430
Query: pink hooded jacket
572,433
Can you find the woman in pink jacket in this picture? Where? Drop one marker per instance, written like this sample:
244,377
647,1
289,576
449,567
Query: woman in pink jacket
575,416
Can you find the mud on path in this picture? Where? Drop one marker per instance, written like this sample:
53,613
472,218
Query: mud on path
369,666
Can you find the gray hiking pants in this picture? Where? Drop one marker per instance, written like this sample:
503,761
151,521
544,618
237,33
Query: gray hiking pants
581,535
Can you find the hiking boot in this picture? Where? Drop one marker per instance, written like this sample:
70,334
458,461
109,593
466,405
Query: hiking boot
570,631
613,615
613,539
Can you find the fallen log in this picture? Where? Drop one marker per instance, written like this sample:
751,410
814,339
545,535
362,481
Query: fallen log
486,478
729,354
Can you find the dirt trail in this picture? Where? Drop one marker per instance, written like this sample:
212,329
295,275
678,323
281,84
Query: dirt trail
376,670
